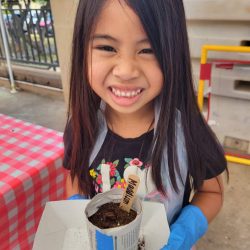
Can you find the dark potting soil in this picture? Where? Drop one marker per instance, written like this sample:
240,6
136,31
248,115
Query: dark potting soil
111,215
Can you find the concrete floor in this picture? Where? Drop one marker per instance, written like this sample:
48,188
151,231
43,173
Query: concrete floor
231,228
37,109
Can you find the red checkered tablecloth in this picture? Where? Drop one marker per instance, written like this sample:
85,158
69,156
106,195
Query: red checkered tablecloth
31,174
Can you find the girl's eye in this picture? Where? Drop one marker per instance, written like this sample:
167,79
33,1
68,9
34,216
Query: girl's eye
106,48
146,51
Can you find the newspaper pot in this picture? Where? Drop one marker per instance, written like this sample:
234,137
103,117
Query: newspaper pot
124,237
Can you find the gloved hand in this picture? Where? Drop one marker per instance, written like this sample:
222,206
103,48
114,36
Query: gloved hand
189,227
78,197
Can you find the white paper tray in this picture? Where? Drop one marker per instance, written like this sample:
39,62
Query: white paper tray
62,226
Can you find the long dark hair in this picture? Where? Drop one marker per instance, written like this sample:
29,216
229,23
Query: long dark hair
165,25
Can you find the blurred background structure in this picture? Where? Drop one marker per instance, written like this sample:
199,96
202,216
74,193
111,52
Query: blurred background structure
224,23
31,45
39,37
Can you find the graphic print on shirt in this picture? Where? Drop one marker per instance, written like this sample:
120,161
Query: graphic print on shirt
107,176
116,179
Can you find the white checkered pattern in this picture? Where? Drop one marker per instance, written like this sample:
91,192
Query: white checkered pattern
31,174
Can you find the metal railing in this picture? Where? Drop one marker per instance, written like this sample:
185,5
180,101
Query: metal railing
30,37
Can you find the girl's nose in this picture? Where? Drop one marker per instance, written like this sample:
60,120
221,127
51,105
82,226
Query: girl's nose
126,69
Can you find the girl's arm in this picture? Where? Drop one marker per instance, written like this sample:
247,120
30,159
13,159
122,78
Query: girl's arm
209,198
192,222
71,188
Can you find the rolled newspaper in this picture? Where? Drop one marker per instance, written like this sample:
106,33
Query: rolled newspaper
124,237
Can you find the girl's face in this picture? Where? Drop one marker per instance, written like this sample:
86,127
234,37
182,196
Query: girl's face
122,67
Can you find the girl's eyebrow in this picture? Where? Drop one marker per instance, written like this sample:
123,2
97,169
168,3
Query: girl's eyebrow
104,36
144,40
108,37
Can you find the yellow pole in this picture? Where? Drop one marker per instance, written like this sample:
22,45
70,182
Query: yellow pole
200,94
241,49
238,160
202,82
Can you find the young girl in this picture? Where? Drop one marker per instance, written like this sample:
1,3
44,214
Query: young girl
133,110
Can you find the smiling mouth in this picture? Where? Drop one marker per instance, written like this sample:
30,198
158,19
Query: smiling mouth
126,93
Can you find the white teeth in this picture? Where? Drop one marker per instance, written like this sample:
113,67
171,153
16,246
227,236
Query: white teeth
126,93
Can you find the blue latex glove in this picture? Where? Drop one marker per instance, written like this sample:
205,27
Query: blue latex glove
189,227
78,197
103,242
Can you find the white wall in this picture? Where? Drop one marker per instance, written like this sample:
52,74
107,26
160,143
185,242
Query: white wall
64,15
